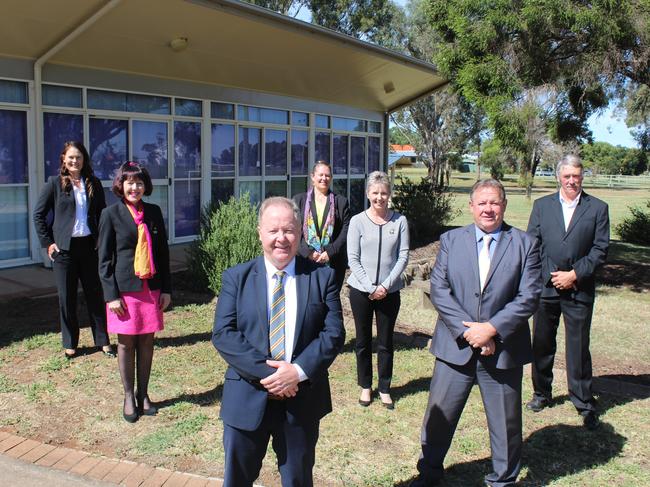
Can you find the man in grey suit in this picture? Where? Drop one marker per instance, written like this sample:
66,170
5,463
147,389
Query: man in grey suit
485,285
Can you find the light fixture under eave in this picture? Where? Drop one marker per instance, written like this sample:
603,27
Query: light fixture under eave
178,44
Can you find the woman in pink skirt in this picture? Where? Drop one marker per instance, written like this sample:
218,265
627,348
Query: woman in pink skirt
134,270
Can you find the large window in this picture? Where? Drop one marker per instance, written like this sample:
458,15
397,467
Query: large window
13,147
250,153
187,182
150,147
108,145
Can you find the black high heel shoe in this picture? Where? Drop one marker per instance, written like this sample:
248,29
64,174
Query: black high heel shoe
130,418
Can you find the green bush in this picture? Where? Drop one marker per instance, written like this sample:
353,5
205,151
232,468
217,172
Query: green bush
427,208
228,237
636,228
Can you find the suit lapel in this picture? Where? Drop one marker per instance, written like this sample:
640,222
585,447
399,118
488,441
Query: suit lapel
259,277
581,208
557,212
470,243
302,295
500,250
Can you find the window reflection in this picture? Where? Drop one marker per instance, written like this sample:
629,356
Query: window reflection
14,238
187,149
253,188
275,188
108,145
322,147
249,152
275,152
357,155
340,155
357,195
373,154
299,151
340,186
223,150
222,190
150,147
298,185
58,128
13,147
187,208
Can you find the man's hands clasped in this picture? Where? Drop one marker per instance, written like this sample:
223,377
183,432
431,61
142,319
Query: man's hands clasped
481,335
284,381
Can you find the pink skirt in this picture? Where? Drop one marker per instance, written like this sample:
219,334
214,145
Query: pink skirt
142,313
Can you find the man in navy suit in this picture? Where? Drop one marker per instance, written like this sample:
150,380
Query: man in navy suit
279,326
485,285
572,228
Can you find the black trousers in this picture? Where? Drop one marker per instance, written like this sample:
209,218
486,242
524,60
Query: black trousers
577,325
385,312
71,266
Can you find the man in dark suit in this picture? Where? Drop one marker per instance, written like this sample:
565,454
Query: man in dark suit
484,285
572,228
279,327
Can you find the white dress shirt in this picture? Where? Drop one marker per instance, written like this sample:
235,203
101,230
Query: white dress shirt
80,228
568,208
290,306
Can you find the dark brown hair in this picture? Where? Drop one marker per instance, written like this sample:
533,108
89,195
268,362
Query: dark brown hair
86,170
131,170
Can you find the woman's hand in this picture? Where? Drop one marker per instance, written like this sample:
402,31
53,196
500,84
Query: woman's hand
116,307
379,293
314,256
323,258
164,301
51,249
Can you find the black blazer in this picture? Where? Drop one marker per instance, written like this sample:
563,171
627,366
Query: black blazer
53,198
118,236
336,249
582,247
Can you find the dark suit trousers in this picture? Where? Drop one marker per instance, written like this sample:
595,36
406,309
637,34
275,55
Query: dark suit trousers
577,325
448,393
71,266
294,446
385,312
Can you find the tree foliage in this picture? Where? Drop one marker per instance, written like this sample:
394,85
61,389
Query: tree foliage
605,158
636,227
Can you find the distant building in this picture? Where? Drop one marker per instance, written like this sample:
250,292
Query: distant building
402,155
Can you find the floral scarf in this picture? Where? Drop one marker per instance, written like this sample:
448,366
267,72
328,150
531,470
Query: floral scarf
143,262
310,230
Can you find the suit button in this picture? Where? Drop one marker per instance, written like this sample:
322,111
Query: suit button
476,295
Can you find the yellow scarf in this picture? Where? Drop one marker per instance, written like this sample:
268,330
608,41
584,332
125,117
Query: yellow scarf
143,262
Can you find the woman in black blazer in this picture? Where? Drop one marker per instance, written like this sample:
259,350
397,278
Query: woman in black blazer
134,270
76,198
325,220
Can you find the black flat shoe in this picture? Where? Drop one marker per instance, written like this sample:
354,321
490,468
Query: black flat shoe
365,404
537,403
70,356
109,353
388,405
152,410
130,418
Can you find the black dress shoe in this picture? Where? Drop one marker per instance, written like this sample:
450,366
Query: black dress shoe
130,418
70,356
110,353
150,411
422,482
590,420
537,403
363,403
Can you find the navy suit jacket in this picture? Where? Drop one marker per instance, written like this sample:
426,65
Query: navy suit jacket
582,247
241,335
510,296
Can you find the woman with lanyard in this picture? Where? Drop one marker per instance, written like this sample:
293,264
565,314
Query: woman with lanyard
134,269
76,199
326,217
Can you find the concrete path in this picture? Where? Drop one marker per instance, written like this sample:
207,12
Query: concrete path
18,473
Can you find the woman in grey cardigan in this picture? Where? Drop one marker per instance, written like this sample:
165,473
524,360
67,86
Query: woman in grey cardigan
378,249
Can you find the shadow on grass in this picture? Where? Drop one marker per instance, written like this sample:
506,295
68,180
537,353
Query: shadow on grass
180,340
549,454
206,398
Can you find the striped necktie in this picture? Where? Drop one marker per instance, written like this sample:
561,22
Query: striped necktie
484,260
276,323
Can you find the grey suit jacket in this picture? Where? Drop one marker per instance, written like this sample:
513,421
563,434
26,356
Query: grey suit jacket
510,296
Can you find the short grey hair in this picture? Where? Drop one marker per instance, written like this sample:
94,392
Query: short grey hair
278,201
488,183
378,177
569,160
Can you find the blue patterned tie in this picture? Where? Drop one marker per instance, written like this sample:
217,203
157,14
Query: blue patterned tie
276,323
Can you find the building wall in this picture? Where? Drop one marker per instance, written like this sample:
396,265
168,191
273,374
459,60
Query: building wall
201,143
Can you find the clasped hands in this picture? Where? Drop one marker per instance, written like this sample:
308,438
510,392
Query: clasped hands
284,381
564,279
117,306
378,294
320,257
480,335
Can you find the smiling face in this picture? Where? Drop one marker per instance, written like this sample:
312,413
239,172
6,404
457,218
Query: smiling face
570,179
321,178
133,190
487,208
278,231
378,195
73,160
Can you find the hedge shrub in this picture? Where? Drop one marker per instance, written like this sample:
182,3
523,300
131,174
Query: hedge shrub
636,227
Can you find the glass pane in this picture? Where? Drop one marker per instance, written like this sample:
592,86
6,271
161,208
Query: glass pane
374,127
340,186
150,147
148,104
275,188
222,190
223,150
188,108
250,153
110,197
357,195
159,197
298,185
14,238
322,149
300,118
253,188
13,147
275,152
187,149
62,96
266,115
106,100
373,154
108,145
13,91
187,207
299,151
222,110
322,121
357,155
340,156
58,128
348,124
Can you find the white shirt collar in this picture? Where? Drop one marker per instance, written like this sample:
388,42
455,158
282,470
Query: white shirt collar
290,269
